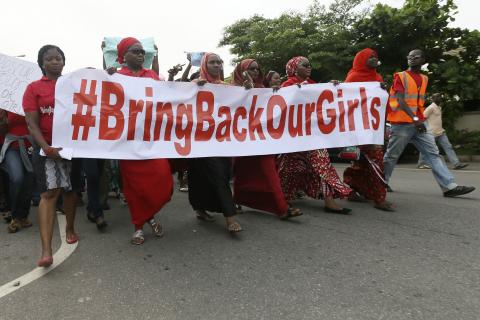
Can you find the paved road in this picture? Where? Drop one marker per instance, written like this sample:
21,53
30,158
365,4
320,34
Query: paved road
421,262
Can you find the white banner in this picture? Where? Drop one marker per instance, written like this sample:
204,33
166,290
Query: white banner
120,117
15,75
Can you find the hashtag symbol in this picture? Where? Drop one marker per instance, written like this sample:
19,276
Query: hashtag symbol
81,99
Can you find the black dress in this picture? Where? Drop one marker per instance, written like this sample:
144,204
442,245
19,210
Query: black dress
209,185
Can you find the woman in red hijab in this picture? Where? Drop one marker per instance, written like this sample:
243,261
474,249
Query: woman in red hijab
310,171
209,177
365,176
142,178
256,181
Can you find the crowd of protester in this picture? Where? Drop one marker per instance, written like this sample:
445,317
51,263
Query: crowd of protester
268,182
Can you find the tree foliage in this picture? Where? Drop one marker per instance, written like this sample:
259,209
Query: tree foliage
330,37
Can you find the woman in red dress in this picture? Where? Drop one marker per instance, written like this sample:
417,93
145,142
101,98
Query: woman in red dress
365,176
310,171
256,181
142,178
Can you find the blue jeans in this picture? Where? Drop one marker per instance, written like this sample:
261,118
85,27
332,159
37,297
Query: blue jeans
443,142
93,170
402,134
21,184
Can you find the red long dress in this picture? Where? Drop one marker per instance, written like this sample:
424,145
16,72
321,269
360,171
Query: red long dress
256,180
366,175
147,184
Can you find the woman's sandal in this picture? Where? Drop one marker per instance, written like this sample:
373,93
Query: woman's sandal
204,216
14,226
291,213
157,228
234,227
45,262
138,237
71,238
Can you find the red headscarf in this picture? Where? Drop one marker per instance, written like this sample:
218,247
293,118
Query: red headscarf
292,65
242,67
204,75
123,46
360,72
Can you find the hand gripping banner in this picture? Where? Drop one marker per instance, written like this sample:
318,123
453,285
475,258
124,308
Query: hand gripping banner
120,117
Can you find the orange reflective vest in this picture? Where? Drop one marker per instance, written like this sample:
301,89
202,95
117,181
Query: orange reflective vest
414,98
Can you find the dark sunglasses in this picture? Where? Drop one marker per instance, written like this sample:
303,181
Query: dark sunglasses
306,65
137,51
253,68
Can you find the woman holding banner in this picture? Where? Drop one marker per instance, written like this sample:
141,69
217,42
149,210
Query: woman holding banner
365,176
310,171
141,178
209,178
53,173
256,181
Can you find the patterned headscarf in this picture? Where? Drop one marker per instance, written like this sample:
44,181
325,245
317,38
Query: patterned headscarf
123,46
292,65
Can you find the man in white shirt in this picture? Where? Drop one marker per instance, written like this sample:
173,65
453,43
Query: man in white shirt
433,114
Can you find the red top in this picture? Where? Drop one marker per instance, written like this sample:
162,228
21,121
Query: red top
294,80
40,96
144,73
398,87
17,126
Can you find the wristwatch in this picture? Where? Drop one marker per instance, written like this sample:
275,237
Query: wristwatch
415,118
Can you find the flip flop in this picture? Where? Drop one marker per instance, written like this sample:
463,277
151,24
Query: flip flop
73,238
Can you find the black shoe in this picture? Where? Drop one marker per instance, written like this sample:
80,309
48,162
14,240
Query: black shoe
460,166
458,191
389,189
101,224
91,218
338,211
105,206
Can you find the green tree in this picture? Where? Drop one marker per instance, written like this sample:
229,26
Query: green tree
321,34
330,37
452,53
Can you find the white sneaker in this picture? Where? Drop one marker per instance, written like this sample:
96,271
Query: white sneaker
423,166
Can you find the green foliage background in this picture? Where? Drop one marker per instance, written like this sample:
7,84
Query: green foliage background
330,37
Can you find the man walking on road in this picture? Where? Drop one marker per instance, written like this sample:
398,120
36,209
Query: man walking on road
407,99
433,113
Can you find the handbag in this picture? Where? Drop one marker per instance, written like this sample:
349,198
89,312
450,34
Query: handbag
349,153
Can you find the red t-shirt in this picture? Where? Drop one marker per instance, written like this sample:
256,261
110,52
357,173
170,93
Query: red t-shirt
40,96
17,126
294,80
398,87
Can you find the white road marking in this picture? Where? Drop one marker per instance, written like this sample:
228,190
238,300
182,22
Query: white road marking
61,255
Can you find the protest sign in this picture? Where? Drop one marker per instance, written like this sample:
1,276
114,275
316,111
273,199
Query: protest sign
15,75
120,117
